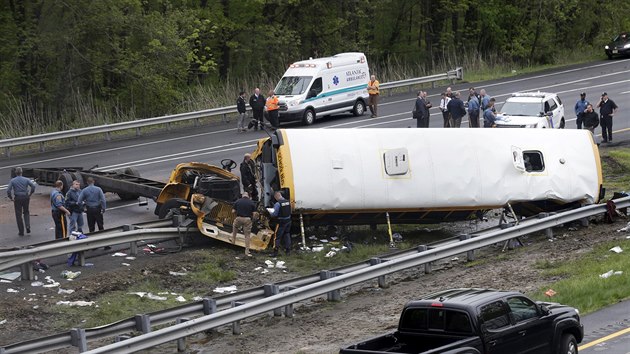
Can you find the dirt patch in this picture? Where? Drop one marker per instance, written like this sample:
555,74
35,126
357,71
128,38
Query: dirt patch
318,326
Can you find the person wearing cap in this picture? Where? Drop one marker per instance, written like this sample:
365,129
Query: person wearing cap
19,190
607,109
580,107
282,211
244,209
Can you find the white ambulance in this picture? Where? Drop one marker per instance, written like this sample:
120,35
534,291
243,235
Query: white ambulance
313,88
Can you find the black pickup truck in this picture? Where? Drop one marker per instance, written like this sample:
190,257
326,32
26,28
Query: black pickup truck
475,321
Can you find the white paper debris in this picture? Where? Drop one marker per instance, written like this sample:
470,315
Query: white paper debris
126,264
627,228
454,259
36,283
3,322
119,254
227,289
177,274
269,263
280,264
65,291
76,303
10,276
258,268
180,299
616,249
130,258
313,237
197,298
9,290
334,238
5,281
331,254
264,271
323,240
317,249
156,297
139,293
610,273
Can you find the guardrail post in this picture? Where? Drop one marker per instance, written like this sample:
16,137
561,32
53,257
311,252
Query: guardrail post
168,126
381,279
584,222
288,309
108,136
209,307
181,342
78,339
432,84
271,290
225,118
549,231
196,122
41,147
75,141
27,271
81,258
427,266
470,255
334,295
143,323
138,131
236,325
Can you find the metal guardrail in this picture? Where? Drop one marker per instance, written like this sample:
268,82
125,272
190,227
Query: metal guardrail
107,129
272,297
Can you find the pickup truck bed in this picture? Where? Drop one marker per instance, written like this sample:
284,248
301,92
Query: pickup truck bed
398,342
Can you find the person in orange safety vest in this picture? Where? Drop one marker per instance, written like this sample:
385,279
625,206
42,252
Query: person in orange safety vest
373,92
272,107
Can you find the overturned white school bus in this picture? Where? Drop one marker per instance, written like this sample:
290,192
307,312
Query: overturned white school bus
362,176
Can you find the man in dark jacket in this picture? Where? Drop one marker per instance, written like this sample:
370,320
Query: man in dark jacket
257,102
590,119
242,113
248,176
282,211
421,112
607,109
457,109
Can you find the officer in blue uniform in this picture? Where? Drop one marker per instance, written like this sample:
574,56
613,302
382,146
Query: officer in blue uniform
19,191
282,211
95,204
59,211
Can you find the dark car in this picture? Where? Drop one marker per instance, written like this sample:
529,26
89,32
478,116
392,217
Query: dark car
619,46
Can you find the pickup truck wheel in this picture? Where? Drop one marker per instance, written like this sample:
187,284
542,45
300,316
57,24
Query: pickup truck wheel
568,345
309,117
359,108
562,123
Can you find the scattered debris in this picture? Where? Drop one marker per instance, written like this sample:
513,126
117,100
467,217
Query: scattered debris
126,264
627,228
40,266
65,291
454,259
68,274
88,265
269,264
10,290
323,240
572,228
227,289
197,298
317,249
313,237
610,273
119,254
258,268
331,254
334,238
155,297
37,283
264,271
3,322
280,265
5,281
550,292
76,303
397,237
51,282
180,299
10,276
130,258
616,249
177,274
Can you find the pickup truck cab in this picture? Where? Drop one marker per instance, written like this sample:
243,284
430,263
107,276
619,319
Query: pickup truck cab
479,321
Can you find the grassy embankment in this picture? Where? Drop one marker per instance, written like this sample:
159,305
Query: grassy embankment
581,285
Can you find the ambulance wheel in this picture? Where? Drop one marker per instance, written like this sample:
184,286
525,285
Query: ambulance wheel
359,108
309,117
562,123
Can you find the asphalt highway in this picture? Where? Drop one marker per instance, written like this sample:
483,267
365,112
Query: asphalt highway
156,155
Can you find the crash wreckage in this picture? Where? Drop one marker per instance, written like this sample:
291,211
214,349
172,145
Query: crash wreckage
378,176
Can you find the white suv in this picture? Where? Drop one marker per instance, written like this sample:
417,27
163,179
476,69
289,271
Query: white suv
531,110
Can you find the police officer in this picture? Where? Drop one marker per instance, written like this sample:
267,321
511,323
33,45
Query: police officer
22,189
244,209
76,209
94,200
282,211
59,211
